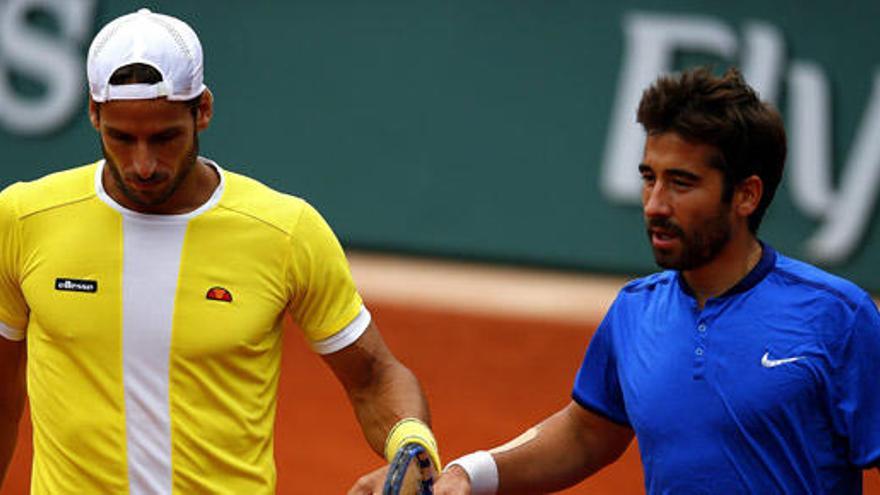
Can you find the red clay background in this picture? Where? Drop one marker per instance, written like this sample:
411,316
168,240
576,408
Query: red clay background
487,379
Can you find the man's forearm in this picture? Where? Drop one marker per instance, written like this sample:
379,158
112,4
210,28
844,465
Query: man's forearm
395,395
559,452
550,460
381,389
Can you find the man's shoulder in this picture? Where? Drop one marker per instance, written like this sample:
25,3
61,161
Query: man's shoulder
648,284
50,191
836,308
798,276
255,199
641,292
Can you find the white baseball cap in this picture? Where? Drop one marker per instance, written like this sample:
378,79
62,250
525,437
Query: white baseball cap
163,42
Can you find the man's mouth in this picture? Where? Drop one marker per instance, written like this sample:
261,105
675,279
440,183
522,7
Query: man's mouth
664,237
147,184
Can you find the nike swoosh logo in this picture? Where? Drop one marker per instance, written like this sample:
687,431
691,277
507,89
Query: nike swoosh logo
772,363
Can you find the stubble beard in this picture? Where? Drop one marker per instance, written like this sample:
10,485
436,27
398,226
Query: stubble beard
698,247
188,164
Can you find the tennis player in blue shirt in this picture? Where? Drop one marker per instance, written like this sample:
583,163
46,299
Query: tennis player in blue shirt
738,369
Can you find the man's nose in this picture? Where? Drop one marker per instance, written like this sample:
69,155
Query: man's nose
655,202
144,161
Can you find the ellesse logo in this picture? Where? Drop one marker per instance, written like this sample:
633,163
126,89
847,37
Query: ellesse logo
75,285
219,294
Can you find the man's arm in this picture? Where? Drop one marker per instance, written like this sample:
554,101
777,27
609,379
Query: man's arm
12,395
380,388
559,452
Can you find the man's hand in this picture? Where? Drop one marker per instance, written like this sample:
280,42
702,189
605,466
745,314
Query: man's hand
371,483
454,481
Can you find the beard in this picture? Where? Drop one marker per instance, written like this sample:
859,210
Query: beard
187,164
699,246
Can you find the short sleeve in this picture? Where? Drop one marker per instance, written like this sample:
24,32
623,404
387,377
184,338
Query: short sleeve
324,299
858,391
597,385
13,308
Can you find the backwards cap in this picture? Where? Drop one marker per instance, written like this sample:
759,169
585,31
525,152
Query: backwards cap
163,42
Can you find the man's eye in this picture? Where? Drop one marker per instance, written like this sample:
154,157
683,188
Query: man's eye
164,138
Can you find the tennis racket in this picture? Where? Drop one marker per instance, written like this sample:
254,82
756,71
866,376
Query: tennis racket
411,472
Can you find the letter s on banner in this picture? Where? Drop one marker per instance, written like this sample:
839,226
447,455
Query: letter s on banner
56,61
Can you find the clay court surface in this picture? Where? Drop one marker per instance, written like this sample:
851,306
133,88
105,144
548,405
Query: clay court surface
491,370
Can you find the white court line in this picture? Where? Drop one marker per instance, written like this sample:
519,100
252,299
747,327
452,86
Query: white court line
484,289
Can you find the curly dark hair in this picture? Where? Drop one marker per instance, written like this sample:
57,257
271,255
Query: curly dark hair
726,113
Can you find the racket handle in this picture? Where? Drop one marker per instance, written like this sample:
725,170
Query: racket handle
417,481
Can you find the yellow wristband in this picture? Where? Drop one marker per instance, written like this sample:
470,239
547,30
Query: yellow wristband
413,430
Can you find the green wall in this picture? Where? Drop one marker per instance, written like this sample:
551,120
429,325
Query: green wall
482,129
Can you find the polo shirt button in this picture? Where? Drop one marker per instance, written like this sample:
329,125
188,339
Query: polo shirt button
702,327
698,351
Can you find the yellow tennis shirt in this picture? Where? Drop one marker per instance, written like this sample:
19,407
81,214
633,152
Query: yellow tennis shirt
154,341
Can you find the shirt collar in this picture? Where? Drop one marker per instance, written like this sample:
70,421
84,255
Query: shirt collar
756,275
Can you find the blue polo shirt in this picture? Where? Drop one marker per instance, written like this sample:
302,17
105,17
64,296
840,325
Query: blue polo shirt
773,387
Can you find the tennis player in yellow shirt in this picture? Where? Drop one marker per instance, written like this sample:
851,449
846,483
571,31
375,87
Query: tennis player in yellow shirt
146,292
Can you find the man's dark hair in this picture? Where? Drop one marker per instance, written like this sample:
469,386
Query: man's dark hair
146,74
135,74
726,113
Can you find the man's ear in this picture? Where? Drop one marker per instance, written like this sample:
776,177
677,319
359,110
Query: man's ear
94,114
205,110
747,195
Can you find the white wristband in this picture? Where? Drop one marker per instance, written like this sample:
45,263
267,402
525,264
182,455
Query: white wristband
481,469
